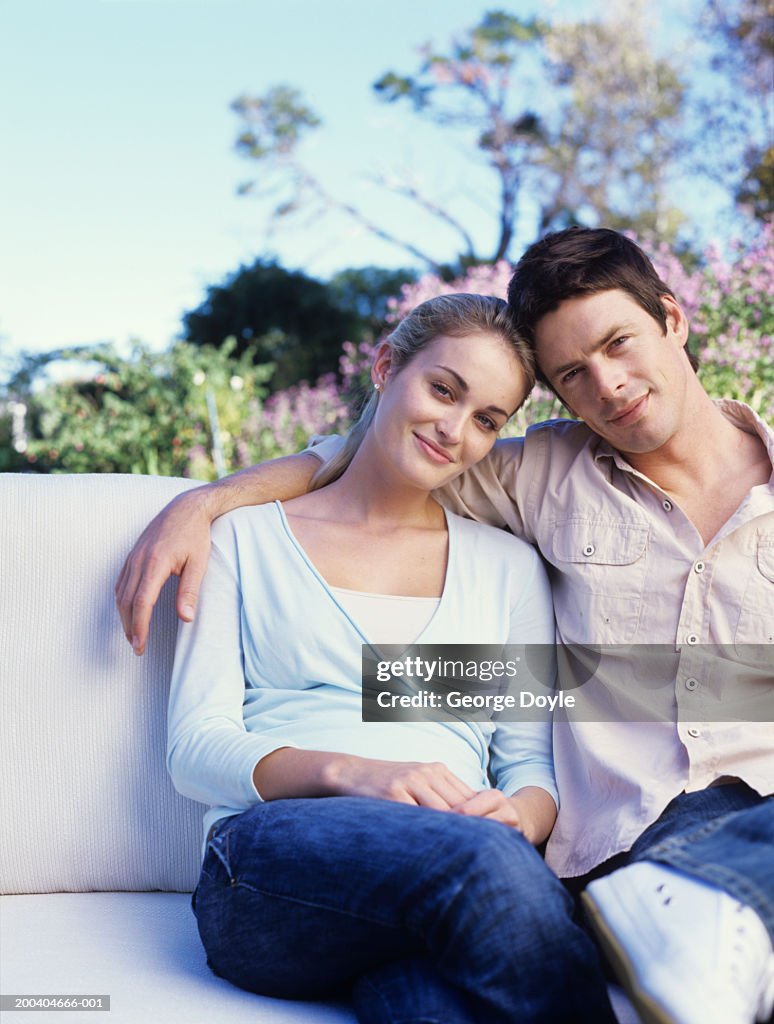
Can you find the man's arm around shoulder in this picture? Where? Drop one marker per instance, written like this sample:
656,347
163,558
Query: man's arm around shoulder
177,541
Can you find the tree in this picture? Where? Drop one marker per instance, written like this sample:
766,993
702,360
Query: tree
737,106
471,88
574,123
273,127
285,317
620,129
366,292
593,144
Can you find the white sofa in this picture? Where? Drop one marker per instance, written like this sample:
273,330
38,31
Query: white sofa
98,853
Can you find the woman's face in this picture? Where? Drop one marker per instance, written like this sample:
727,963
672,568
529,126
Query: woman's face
442,411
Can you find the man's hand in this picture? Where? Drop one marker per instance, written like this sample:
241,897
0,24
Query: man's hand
175,543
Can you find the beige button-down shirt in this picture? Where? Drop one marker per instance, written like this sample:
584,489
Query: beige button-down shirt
629,568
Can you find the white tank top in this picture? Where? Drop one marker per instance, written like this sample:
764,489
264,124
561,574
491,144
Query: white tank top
387,618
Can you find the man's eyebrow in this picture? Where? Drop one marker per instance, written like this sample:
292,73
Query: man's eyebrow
608,336
463,386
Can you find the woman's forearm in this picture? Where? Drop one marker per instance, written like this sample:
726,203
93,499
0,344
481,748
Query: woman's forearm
289,773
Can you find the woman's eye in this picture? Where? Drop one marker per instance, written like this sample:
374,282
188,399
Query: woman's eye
441,389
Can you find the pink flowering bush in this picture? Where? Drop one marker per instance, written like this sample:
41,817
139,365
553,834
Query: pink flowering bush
730,306
290,417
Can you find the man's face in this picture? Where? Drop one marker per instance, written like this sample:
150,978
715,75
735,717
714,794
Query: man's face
614,368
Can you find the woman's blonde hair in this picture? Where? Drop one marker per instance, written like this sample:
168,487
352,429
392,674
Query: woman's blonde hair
453,315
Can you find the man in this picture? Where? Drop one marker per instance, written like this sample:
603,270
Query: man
655,515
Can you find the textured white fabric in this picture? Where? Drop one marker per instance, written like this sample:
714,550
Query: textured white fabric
87,803
141,949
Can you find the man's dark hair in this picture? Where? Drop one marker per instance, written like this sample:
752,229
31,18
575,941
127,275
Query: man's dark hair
583,261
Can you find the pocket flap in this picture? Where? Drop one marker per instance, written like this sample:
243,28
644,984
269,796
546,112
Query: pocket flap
766,556
600,541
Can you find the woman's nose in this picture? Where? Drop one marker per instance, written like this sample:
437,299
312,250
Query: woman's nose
450,427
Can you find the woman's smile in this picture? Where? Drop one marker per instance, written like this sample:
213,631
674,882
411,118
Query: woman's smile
433,451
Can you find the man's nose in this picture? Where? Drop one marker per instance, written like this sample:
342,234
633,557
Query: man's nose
609,378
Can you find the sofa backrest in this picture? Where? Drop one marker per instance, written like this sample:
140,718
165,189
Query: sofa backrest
86,800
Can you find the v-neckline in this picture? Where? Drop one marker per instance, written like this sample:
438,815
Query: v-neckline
312,568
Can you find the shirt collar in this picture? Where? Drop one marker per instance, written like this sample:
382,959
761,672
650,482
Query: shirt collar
738,412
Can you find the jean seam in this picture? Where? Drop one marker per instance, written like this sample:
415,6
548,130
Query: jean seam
330,909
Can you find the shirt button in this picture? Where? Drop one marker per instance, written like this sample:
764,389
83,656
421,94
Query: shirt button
692,639
699,567
694,732
691,684
666,504
589,550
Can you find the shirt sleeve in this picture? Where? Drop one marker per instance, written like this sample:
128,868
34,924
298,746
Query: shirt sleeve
521,752
324,446
210,754
488,491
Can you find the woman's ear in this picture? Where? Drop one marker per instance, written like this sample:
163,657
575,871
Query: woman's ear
380,369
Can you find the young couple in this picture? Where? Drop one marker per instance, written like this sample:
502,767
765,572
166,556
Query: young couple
378,856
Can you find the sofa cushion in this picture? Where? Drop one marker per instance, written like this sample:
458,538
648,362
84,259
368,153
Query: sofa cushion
83,720
141,949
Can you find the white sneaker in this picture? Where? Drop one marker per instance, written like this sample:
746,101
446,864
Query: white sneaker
686,952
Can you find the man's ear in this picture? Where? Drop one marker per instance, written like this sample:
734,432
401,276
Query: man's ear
382,364
676,320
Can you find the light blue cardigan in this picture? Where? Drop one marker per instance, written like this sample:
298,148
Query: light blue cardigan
273,660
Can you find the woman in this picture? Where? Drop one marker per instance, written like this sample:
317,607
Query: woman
376,857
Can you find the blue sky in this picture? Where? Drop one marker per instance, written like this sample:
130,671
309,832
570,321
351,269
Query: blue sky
118,202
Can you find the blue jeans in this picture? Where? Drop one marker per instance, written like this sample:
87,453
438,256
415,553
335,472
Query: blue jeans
723,835
422,916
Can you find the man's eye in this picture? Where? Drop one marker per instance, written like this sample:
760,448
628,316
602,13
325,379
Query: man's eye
487,422
619,341
567,377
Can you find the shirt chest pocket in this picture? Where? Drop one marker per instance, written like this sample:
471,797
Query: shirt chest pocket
756,616
600,579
